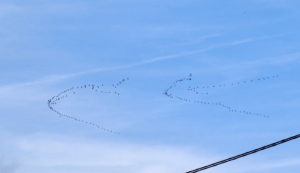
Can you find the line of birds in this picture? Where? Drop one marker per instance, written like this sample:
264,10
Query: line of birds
73,90
169,94
120,82
234,84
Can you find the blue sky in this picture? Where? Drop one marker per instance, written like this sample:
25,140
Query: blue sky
49,46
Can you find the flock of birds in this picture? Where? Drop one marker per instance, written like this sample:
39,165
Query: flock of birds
168,92
74,90
196,90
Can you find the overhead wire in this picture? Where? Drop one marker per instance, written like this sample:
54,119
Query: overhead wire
245,154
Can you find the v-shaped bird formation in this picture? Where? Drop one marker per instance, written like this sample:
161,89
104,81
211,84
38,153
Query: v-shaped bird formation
98,88
197,90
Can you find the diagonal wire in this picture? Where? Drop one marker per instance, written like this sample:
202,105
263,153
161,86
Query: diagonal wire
245,154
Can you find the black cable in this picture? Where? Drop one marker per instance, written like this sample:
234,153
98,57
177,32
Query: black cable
245,154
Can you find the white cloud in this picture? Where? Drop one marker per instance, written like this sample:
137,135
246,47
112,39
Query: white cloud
7,165
61,154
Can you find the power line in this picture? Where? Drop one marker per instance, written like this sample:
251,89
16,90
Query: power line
245,154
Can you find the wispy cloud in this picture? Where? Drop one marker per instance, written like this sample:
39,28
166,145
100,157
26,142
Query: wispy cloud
198,40
262,62
53,78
